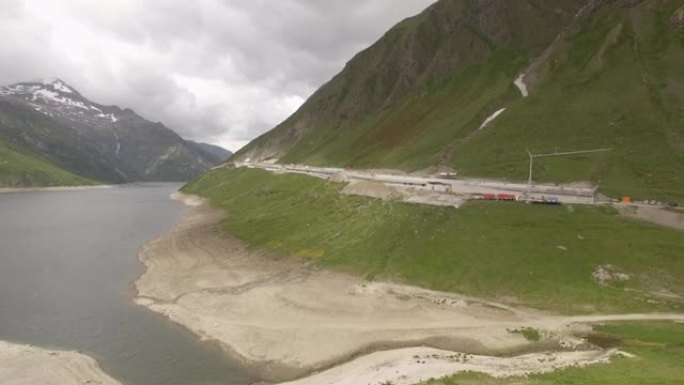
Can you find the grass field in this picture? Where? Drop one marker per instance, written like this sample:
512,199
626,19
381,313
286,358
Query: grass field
541,256
22,169
659,350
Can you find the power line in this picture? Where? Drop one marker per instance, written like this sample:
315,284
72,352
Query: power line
533,156
569,153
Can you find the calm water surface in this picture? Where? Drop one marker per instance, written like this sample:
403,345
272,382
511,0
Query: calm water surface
67,263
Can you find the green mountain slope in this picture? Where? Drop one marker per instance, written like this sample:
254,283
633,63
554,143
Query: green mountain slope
42,137
619,83
25,169
600,73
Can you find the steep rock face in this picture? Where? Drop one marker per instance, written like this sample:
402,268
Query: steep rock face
562,75
99,142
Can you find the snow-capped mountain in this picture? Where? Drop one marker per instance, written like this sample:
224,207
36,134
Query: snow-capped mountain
55,98
97,141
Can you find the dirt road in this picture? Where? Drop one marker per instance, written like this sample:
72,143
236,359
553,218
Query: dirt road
655,214
422,186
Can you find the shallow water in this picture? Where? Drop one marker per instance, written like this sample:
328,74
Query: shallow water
67,263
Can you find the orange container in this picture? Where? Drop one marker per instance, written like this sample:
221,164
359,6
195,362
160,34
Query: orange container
626,200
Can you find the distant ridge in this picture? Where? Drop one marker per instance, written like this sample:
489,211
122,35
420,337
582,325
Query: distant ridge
52,121
217,153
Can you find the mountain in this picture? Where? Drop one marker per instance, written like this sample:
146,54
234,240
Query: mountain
545,76
51,121
216,153
24,168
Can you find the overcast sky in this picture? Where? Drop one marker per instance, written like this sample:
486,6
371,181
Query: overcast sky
222,71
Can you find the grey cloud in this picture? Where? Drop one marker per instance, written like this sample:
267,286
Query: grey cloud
216,70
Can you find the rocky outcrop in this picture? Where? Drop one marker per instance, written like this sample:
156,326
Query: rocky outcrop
677,19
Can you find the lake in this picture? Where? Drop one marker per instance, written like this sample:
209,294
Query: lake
67,263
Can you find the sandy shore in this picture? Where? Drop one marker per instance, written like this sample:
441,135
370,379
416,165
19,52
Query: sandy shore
28,365
415,365
287,321
8,190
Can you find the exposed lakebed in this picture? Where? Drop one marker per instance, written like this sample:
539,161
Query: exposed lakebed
67,263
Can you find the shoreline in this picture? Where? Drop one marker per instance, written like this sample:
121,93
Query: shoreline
24,364
162,297
289,322
13,190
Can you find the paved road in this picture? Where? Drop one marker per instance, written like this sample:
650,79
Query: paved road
469,188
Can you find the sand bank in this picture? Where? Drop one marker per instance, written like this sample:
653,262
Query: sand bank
28,365
415,365
286,320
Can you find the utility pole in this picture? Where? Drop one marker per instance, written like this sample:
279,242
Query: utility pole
529,180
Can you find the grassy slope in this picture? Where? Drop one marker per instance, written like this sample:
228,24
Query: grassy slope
596,94
413,135
22,168
486,249
421,85
660,361
622,103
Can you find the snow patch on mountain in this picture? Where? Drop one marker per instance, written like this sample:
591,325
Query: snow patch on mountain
520,83
48,91
491,118
110,117
19,89
59,86
53,97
